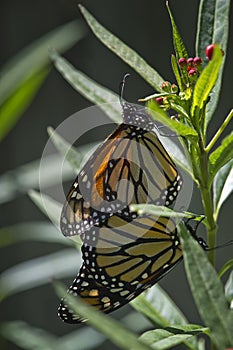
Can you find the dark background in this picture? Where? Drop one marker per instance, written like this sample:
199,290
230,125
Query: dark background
145,27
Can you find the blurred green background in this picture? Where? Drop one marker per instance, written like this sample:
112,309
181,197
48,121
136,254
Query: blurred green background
145,27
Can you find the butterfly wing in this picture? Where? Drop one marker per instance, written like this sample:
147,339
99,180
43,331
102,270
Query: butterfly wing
93,293
125,253
130,167
121,260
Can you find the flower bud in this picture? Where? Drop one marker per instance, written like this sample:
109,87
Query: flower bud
159,100
182,62
174,88
192,72
209,51
190,61
166,86
197,61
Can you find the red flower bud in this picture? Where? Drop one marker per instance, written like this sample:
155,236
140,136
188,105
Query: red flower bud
192,71
190,61
182,62
159,100
209,51
197,61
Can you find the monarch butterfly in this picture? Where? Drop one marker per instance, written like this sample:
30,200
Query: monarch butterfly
121,260
131,166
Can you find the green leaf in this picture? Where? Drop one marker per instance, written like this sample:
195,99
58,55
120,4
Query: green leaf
47,205
113,330
207,291
22,76
158,307
158,114
229,289
66,149
206,82
36,56
188,328
160,339
176,72
226,267
27,337
39,271
97,94
36,231
20,99
221,156
222,186
213,27
46,171
177,40
159,210
123,51
21,179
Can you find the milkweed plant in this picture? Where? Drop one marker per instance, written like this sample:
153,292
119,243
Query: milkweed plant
192,98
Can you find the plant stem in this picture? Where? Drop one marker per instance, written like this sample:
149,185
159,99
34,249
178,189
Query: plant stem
207,199
220,131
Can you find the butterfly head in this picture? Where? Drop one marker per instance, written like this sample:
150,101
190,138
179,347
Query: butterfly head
133,114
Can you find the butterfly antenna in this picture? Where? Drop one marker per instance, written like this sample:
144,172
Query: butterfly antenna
122,88
221,245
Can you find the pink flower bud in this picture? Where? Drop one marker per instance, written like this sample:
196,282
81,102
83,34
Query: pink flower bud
159,100
197,61
192,71
182,62
190,61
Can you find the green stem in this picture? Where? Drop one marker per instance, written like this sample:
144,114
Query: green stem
220,131
207,199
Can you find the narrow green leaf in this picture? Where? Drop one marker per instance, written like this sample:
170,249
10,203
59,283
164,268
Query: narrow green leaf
176,72
207,291
35,56
160,339
221,156
213,27
229,289
86,338
226,267
68,151
27,337
222,186
21,179
25,177
20,99
158,114
113,330
188,328
158,307
36,231
206,81
39,271
47,205
159,210
177,40
101,96
123,51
